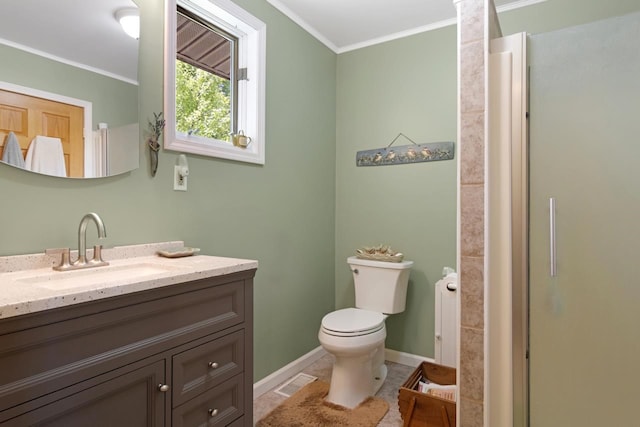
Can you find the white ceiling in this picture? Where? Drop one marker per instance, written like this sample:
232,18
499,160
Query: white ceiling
76,31
344,25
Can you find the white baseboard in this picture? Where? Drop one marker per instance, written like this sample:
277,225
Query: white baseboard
405,358
278,377
286,372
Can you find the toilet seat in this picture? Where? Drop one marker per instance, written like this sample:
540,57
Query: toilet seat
352,322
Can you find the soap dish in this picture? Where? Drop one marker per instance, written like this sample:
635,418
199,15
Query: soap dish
177,252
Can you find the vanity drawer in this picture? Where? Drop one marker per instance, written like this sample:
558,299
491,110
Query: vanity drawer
216,407
207,365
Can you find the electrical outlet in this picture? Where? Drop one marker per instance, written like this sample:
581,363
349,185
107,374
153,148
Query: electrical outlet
179,181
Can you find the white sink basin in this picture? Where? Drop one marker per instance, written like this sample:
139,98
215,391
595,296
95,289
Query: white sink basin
98,275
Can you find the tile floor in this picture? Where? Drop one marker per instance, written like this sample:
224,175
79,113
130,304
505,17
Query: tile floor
396,375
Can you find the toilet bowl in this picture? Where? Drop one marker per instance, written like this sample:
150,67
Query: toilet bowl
356,339
356,336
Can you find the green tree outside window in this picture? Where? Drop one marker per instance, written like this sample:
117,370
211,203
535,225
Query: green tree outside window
203,103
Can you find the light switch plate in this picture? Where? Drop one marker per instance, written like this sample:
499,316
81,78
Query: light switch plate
179,182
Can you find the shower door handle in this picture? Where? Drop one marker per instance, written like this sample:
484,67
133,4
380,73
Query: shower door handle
552,237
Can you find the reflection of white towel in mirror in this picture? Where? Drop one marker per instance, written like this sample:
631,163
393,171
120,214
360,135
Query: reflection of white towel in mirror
45,156
12,153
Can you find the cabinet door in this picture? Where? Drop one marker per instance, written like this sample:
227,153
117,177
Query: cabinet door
132,399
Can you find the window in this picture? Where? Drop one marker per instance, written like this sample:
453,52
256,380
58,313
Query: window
214,79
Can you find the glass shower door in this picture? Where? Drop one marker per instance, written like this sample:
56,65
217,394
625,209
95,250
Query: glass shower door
585,155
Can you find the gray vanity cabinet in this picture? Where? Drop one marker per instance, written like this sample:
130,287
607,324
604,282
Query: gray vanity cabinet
179,355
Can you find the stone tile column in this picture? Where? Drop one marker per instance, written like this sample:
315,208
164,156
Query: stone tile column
473,45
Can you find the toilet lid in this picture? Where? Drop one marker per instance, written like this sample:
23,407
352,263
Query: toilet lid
353,321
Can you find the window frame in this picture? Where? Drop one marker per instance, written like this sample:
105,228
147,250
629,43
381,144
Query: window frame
251,34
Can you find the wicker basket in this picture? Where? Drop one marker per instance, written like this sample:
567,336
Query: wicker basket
420,409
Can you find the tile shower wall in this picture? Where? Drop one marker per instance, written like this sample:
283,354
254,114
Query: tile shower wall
476,21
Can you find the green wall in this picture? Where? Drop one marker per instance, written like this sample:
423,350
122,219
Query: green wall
113,101
408,86
281,214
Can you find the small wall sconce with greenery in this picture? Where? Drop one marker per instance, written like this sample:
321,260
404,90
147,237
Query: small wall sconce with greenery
155,131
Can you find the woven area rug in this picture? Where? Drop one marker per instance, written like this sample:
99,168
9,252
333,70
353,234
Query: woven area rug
307,408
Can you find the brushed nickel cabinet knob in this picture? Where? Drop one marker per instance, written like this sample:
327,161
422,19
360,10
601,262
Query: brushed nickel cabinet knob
163,387
213,412
213,365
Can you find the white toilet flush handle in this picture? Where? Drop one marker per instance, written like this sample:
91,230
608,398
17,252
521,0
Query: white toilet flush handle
355,271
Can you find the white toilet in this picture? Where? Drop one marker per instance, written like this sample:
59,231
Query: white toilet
355,336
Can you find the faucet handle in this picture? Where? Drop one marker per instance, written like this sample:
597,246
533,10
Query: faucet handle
64,260
97,256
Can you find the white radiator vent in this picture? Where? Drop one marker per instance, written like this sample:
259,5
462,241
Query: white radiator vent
446,333
295,384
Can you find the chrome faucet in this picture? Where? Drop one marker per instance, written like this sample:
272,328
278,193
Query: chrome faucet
82,262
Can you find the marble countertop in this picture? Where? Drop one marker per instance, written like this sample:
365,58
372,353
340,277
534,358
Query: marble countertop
28,283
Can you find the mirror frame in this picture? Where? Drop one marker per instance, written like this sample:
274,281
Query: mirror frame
251,33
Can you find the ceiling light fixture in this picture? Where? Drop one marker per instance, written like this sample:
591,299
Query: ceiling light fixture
129,18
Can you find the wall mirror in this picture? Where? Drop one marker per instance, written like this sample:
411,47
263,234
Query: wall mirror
214,80
69,87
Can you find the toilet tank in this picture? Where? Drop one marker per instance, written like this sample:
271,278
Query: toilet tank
380,286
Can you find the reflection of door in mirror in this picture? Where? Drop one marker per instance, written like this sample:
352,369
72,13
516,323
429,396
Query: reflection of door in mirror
27,117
